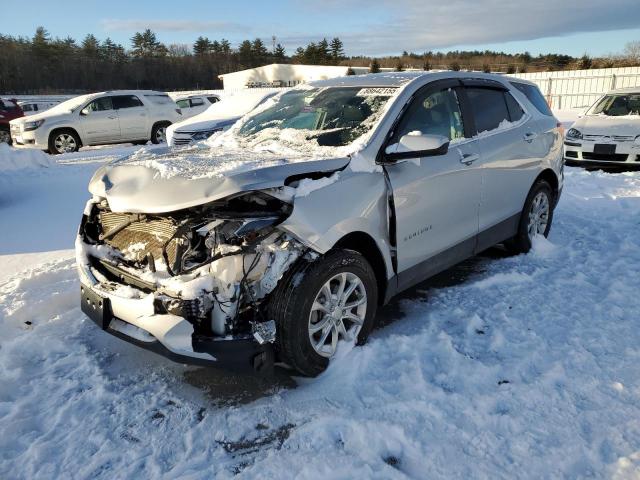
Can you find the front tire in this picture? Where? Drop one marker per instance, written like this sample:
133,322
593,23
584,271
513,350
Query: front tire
319,303
64,141
535,219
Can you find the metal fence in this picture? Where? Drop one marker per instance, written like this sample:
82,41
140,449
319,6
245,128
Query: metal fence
581,88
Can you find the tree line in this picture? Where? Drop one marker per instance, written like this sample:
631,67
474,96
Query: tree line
45,65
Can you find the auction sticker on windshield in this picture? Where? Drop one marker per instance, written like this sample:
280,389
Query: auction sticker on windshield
376,92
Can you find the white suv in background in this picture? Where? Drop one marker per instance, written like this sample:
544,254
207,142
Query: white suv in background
195,104
122,116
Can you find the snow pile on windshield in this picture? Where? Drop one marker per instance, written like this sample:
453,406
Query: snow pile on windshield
269,143
12,159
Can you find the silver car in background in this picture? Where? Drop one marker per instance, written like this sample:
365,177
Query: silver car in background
216,118
283,238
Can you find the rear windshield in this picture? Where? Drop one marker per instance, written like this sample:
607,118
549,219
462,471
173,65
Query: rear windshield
535,96
7,105
617,105
160,99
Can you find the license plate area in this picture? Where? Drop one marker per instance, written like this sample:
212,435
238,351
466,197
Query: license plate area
95,306
604,149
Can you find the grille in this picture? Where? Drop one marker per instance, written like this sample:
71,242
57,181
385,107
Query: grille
181,141
615,157
139,239
616,138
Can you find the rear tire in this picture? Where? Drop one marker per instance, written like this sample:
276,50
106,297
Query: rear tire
311,315
535,219
64,141
159,133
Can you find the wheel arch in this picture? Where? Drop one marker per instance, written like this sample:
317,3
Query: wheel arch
551,178
364,244
57,129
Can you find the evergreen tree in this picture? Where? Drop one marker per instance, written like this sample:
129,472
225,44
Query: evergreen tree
455,66
486,68
90,46
225,46
337,49
245,53
146,44
322,52
399,66
40,43
374,67
350,71
585,62
216,47
258,50
279,53
202,46
426,66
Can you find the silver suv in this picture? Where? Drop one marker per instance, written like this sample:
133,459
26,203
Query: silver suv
118,116
281,237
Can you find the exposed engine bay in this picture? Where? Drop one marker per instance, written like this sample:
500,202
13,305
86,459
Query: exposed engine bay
213,265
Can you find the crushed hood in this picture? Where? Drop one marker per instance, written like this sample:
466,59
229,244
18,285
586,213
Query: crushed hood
628,125
150,183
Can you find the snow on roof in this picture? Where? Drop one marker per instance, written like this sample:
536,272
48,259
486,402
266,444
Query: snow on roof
626,90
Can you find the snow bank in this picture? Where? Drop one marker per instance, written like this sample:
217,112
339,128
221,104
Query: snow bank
13,159
529,368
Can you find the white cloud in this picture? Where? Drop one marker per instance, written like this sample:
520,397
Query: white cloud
171,25
419,25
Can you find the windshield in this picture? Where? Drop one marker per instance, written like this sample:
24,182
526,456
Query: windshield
333,116
617,105
69,105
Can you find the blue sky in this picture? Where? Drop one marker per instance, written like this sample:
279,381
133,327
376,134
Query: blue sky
370,27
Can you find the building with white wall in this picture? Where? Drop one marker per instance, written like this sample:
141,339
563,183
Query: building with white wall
285,75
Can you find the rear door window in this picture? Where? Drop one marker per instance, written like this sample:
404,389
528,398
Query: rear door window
126,101
196,102
489,108
534,95
183,104
515,110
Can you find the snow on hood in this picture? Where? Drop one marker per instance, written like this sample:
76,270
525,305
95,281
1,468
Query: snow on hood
153,183
628,125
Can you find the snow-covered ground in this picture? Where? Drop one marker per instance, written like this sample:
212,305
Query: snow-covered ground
521,367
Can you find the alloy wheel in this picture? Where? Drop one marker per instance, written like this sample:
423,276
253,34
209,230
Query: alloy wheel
538,215
338,313
161,134
65,143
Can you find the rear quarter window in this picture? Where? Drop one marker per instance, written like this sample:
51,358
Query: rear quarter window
534,95
159,99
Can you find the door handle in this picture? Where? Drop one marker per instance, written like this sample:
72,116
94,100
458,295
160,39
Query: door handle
468,158
530,137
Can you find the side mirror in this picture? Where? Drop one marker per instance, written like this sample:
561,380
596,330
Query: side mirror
84,111
417,145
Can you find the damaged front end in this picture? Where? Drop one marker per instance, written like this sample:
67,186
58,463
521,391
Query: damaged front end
192,284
